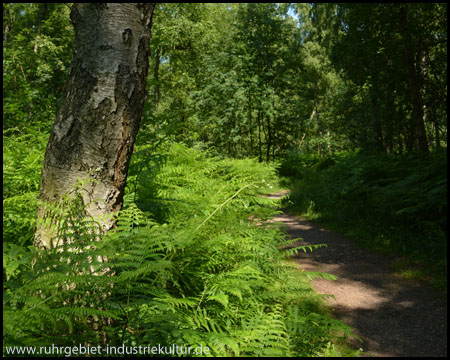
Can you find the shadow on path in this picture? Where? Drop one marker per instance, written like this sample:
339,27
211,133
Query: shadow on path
393,316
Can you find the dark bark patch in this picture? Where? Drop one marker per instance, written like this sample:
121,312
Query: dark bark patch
127,37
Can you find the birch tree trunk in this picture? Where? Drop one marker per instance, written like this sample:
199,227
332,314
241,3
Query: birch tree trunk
97,123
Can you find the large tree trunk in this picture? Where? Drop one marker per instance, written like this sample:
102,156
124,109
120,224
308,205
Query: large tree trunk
97,123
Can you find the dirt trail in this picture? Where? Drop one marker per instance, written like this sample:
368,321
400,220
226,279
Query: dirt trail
393,316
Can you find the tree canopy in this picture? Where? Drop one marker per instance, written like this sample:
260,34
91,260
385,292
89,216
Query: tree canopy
260,79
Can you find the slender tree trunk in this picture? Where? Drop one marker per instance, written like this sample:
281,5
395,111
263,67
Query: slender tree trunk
301,141
5,34
273,131
259,135
401,129
410,136
420,132
7,22
427,126
39,22
156,79
250,122
232,130
414,89
400,143
378,134
436,132
427,110
97,123
269,139
376,112
274,147
392,113
240,140
390,120
330,151
319,150
317,113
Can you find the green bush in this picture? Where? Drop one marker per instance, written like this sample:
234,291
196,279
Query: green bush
23,154
296,164
399,201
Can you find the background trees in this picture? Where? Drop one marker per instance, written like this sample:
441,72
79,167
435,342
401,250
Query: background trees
331,78
389,51
37,47
255,80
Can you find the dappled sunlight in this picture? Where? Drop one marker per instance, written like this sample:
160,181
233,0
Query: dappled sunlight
391,315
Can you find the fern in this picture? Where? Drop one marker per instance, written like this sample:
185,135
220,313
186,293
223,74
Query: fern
201,275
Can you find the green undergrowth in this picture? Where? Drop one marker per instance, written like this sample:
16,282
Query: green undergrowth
23,155
393,204
186,265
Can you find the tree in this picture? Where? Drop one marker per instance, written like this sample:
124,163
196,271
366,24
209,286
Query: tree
37,48
398,53
98,120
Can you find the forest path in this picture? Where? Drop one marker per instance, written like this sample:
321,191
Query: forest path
393,316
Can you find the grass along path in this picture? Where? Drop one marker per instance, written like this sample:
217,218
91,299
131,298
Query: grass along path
393,316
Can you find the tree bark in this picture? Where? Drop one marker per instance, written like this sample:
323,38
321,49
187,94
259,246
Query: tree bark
97,123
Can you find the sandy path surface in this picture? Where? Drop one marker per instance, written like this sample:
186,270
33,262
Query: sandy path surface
393,316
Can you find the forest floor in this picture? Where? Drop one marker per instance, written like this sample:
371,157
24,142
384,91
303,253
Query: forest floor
392,315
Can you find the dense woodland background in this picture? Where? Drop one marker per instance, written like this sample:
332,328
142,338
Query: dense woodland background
345,103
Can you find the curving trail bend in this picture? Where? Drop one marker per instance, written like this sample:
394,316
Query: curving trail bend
393,316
